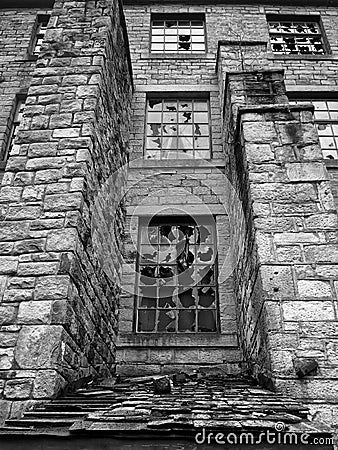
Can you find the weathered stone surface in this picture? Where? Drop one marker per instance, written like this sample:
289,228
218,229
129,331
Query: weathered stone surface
47,383
313,289
8,339
52,287
39,346
6,358
62,240
34,312
18,388
315,171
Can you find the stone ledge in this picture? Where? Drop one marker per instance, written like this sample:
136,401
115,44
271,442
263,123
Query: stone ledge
166,164
160,340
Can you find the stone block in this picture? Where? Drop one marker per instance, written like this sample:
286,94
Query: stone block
296,238
20,388
7,314
8,264
29,246
13,231
314,289
65,239
17,295
63,202
52,287
308,311
259,132
8,339
47,384
315,171
37,268
39,346
277,281
6,358
34,312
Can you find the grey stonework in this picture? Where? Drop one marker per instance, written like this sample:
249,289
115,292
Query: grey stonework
59,308
62,229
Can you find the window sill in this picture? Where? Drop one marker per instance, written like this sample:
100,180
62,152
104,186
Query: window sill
274,56
174,163
161,56
177,340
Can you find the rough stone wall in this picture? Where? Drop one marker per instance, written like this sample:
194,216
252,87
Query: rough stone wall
58,305
16,65
286,286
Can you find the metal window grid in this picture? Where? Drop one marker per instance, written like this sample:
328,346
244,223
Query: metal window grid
326,120
177,129
296,38
177,36
176,285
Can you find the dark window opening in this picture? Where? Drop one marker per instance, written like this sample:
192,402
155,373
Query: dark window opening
39,34
177,280
17,118
296,37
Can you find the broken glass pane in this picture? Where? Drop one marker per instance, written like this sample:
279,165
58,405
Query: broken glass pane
205,255
148,274
187,299
206,297
154,143
146,320
166,272
166,297
185,106
167,254
166,320
155,104
187,277
186,320
206,275
206,320
154,129
169,130
148,254
184,46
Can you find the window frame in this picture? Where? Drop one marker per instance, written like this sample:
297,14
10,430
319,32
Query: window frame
178,96
295,18
14,124
177,17
40,18
165,220
310,97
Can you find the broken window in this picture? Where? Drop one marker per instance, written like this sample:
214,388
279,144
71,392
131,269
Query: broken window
176,288
177,36
39,35
296,38
177,129
17,118
326,121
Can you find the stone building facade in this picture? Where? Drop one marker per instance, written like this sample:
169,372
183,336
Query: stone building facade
188,133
